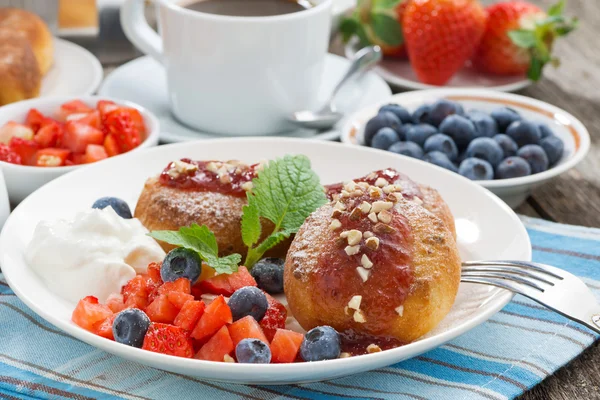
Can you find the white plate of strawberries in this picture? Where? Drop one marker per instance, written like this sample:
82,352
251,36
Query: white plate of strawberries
458,43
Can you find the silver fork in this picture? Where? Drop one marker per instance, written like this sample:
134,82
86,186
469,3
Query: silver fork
552,287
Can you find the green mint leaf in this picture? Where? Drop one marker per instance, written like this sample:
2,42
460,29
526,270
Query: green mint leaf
254,255
362,36
251,227
225,265
348,28
523,38
557,9
385,4
387,29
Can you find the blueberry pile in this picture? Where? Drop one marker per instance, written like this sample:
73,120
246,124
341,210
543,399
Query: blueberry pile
475,144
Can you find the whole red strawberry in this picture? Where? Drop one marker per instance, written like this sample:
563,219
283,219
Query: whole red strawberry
441,35
519,37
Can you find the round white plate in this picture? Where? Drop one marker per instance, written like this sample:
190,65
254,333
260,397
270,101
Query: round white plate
399,73
487,229
143,81
76,71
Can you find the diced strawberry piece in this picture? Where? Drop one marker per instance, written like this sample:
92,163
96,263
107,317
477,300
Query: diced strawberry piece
111,146
89,314
138,121
12,129
168,339
105,327
246,328
26,149
219,345
162,310
35,120
189,315
106,106
75,159
8,155
51,157
123,124
285,346
215,316
226,284
115,302
274,318
49,135
95,152
91,118
180,285
154,273
196,292
135,292
77,136
178,299
73,107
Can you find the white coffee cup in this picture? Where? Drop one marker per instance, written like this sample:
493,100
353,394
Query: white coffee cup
231,74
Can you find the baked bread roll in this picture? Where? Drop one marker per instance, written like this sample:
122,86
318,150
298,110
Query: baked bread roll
378,267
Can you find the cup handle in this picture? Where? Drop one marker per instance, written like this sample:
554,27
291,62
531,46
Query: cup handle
138,31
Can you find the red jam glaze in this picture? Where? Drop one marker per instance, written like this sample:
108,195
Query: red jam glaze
410,189
204,180
356,344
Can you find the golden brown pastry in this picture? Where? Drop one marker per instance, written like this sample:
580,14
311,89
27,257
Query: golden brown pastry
374,263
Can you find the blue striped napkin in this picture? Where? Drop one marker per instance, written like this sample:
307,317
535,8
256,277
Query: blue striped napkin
500,359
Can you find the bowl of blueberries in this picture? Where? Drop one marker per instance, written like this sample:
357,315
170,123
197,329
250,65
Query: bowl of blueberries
508,143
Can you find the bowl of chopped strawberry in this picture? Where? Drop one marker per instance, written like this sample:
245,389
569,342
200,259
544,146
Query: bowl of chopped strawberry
41,139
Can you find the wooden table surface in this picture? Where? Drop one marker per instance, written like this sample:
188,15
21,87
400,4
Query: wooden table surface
574,197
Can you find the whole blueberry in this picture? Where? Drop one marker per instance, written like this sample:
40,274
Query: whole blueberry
320,343
485,125
487,149
535,156
443,143
130,326
120,206
403,130
461,157
504,116
509,146
181,263
268,274
553,147
248,300
441,109
545,131
384,138
512,167
381,120
476,169
460,129
420,133
441,160
524,132
409,149
421,114
402,113
252,351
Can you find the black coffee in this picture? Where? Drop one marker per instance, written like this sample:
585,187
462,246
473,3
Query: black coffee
249,8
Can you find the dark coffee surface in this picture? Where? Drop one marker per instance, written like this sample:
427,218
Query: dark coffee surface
248,8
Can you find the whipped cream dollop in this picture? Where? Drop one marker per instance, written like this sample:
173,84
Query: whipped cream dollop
94,253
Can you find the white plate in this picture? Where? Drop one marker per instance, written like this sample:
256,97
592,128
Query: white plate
143,81
75,72
399,73
513,191
487,228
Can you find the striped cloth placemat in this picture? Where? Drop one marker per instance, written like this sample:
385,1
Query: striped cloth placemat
500,359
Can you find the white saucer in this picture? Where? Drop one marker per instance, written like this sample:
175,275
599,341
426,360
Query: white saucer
399,74
76,71
143,81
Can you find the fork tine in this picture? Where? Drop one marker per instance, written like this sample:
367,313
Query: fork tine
495,275
508,270
519,264
493,282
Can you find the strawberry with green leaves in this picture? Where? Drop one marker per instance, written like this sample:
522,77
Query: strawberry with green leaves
377,22
519,38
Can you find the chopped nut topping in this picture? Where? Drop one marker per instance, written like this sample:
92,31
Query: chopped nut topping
350,186
417,200
372,175
178,168
355,214
375,192
381,205
354,302
335,213
335,224
359,317
247,186
363,273
346,310
392,188
222,170
344,234
228,358
373,217
383,228
365,262
365,207
352,250
345,355
385,216
339,206
372,243
225,178
363,185
357,193
345,193
381,182
354,237
399,310
395,197
373,348
368,234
